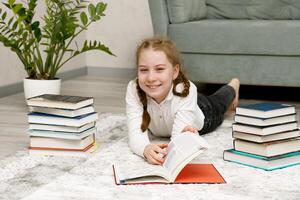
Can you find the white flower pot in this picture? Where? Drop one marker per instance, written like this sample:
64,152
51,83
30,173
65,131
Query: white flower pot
33,87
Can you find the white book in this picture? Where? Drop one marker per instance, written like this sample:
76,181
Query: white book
58,143
181,150
265,121
40,118
63,135
266,138
264,130
62,128
268,149
66,153
62,112
60,101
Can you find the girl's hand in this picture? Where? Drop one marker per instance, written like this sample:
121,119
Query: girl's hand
190,129
155,153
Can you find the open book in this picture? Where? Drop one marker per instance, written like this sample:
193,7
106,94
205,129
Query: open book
181,150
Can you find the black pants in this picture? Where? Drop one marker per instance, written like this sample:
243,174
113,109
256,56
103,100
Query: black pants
214,107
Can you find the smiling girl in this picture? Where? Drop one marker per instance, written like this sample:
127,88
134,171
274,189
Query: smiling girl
163,102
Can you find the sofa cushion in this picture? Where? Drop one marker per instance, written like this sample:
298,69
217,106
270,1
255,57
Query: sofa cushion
253,9
183,11
256,37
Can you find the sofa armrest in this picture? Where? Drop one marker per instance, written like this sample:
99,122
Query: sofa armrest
159,15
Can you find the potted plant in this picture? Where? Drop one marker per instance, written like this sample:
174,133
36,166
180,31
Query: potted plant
44,50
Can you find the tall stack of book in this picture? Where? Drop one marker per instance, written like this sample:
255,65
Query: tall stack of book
62,125
265,136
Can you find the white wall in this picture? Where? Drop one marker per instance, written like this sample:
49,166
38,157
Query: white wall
126,23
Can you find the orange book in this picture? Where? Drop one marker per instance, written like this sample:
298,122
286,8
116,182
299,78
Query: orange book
191,173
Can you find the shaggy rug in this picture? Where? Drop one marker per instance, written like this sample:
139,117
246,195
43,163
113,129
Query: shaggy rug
37,177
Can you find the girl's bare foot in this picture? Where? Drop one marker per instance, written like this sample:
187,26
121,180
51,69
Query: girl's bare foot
235,84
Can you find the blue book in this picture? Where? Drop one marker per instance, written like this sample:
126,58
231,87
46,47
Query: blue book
262,162
265,110
41,118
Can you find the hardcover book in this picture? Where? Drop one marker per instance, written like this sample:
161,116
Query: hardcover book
266,138
60,101
268,149
40,118
256,121
59,143
264,130
191,173
64,152
265,110
63,112
63,135
181,150
262,162
72,129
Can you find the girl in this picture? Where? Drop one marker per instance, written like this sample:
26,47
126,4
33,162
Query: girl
164,102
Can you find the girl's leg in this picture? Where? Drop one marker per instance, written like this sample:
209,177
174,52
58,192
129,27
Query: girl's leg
215,105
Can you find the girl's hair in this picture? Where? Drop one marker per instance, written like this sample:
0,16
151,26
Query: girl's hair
168,47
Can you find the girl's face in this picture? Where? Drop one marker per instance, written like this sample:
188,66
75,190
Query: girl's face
156,74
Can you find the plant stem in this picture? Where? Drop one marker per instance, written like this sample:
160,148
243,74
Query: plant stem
69,43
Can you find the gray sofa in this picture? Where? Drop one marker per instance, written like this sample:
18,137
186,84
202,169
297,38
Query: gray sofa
255,40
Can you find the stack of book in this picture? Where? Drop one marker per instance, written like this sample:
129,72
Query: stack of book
62,125
265,136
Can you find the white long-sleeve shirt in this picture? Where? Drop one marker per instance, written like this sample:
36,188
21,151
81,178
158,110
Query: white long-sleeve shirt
168,118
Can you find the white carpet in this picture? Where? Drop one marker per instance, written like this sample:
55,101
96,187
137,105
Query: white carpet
25,177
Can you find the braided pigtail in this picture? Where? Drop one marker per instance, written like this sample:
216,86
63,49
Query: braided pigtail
181,78
143,98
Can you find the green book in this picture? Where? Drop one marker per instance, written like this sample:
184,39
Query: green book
262,162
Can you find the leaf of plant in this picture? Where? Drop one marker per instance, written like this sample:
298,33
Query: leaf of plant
35,25
38,34
17,7
22,12
100,8
84,18
4,16
10,21
11,2
15,25
92,10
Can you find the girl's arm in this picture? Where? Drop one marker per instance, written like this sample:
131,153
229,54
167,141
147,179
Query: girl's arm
138,140
188,116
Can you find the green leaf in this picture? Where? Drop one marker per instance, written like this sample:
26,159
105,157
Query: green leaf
22,12
17,7
38,34
92,10
15,25
100,8
10,21
4,16
35,25
84,18
11,2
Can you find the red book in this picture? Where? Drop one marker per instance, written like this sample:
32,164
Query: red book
191,173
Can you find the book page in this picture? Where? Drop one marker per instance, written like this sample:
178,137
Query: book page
181,150
126,173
